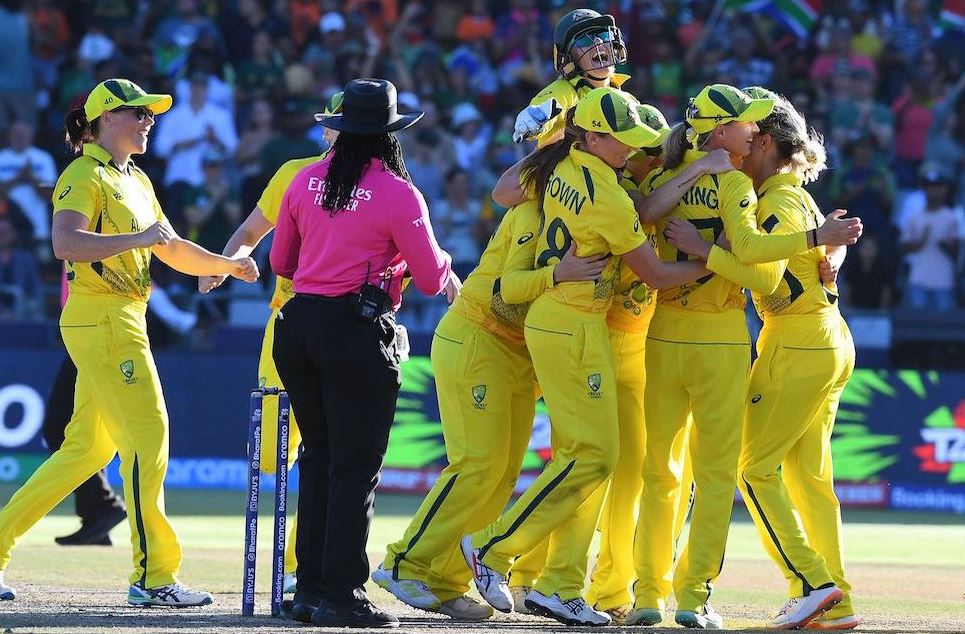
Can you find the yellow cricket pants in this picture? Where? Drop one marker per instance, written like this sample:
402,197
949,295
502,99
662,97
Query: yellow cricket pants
487,399
268,376
571,355
561,560
697,363
785,471
563,554
118,408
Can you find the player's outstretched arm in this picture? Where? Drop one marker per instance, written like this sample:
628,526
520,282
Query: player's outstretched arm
658,274
654,206
241,243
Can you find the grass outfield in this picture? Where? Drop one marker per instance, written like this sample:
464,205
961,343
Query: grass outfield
907,570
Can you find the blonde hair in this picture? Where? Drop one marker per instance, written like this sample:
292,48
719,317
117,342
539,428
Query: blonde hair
799,146
681,138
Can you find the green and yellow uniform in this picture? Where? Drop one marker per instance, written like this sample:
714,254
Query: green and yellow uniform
487,395
628,320
567,93
118,404
805,358
568,340
698,362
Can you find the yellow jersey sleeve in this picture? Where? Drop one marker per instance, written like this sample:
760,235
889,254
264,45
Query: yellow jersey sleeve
617,221
761,278
738,211
519,282
77,191
788,209
566,96
270,201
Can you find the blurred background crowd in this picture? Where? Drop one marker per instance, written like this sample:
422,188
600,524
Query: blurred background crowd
882,79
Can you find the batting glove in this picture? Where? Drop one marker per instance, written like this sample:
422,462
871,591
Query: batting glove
531,120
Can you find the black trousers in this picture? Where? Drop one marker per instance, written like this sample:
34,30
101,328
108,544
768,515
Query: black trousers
95,496
342,376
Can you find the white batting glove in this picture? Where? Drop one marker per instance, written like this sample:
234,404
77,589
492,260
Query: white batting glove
531,120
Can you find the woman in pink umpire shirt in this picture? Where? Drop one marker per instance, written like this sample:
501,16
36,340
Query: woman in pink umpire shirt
349,228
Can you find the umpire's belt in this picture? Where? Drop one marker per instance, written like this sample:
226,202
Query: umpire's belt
348,298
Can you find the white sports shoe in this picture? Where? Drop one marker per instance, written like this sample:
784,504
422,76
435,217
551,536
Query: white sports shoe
644,616
492,585
6,592
519,598
409,591
799,611
822,622
288,587
705,618
174,596
570,612
465,608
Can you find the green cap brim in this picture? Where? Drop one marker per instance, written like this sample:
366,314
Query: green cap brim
757,110
663,133
158,104
638,136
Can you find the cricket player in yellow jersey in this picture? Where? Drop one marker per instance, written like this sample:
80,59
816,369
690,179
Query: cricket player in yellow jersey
107,223
805,358
587,46
698,358
562,572
581,202
242,242
487,399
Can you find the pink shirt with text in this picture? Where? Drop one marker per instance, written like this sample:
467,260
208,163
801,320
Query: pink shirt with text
381,233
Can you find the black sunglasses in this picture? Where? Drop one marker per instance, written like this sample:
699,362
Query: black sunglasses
140,112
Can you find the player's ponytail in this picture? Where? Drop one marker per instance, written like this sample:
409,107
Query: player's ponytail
681,138
675,145
799,148
536,169
78,130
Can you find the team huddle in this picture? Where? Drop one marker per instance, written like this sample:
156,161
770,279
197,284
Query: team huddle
613,288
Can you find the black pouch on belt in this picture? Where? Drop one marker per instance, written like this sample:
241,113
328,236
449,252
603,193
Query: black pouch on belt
373,302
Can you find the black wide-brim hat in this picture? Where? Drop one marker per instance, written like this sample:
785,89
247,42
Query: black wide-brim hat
369,107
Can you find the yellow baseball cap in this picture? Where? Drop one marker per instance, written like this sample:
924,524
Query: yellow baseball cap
611,111
652,117
717,104
115,93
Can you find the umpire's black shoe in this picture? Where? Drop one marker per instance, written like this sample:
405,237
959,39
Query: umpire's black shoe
302,610
96,531
358,614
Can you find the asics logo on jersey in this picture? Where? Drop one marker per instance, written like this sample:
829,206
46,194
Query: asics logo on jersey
756,398
64,193
526,237
745,202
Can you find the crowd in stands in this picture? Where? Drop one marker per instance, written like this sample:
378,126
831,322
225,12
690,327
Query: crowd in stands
884,80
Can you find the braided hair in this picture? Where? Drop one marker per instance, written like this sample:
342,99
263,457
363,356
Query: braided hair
351,156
